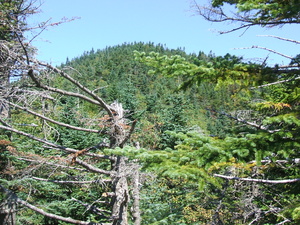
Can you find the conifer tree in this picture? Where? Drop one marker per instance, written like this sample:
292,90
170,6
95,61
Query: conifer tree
259,159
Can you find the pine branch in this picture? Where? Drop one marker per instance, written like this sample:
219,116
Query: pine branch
258,180
246,20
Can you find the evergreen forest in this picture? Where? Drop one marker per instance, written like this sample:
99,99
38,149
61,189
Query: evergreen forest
139,133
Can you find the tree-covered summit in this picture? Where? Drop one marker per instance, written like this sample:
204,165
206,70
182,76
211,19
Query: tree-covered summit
155,99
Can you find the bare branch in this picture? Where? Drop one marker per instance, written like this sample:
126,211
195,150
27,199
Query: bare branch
238,28
42,212
287,66
4,123
129,134
280,38
267,49
51,120
87,153
258,126
296,161
83,88
73,181
60,91
277,82
52,164
92,208
92,168
285,221
273,51
258,180
43,26
53,216
71,150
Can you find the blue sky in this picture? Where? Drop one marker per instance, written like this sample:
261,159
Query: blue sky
172,23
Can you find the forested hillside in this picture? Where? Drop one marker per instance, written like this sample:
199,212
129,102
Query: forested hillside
142,134
153,99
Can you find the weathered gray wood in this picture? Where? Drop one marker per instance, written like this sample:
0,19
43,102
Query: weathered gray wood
8,207
121,194
136,214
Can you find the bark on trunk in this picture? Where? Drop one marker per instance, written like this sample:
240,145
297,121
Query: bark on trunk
8,208
5,67
136,196
121,194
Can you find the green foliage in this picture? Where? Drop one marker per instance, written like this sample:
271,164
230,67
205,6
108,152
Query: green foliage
9,14
73,138
186,136
275,12
270,127
150,98
224,71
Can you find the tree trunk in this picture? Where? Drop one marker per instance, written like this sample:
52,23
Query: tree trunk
8,208
5,70
4,81
136,196
121,194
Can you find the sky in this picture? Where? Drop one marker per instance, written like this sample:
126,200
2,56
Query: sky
173,23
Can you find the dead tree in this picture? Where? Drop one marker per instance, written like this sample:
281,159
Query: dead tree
33,88
33,96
